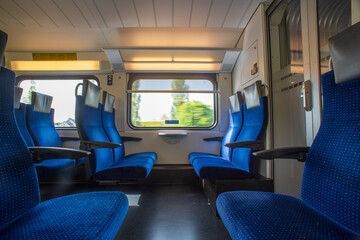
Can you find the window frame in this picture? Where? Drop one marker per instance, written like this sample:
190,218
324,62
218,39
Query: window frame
132,77
22,78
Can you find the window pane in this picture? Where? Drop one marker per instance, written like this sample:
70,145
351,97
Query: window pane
63,92
172,110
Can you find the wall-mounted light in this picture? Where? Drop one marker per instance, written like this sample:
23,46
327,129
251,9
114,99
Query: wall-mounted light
82,65
172,66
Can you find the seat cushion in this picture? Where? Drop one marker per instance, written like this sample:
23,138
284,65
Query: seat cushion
151,155
194,155
81,216
127,169
263,215
48,168
80,161
212,168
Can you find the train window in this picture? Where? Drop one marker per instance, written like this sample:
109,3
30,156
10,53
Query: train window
63,91
172,101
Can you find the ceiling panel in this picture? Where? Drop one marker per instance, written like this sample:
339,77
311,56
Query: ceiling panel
145,11
249,12
109,13
200,13
85,12
95,12
9,20
236,13
18,13
172,37
127,12
182,12
33,11
218,11
55,13
73,14
163,11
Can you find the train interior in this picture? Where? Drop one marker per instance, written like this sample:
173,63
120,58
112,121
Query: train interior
179,119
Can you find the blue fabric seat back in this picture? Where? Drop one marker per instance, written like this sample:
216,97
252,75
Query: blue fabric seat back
254,126
20,115
235,124
88,121
19,191
108,121
331,180
42,129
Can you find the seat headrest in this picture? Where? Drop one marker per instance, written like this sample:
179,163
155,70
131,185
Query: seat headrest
235,102
17,97
108,101
41,102
345,54
91,92
252,95
3,41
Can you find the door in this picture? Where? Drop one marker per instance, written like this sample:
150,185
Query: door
287,79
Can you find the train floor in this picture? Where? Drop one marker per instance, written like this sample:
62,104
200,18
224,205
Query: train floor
157,211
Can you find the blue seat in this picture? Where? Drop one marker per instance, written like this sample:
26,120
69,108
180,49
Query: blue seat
235,124
103,164
45,168
108,123
241,164
83,216
40,123
330,206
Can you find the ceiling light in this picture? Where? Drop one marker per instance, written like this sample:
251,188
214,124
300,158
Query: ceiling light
173,66
85,65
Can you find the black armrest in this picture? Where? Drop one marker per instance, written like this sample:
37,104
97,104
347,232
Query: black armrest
64,139
210,139
298,153
254,145
131,139
44,153
90,145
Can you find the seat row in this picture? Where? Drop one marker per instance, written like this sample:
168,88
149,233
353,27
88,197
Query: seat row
98,134
97,131
247,125
36,124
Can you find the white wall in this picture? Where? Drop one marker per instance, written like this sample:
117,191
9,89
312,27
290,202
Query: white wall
253,44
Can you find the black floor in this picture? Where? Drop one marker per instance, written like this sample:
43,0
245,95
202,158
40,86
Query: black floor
156,212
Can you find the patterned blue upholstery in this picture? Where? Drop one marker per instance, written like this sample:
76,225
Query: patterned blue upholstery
108,122
263,215
82,216
94,215
330,206
242,162
20,116
46,168
42,129
19,190
103,165
235,124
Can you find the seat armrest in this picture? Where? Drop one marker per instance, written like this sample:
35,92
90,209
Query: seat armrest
298,153
90,145
211,139
44,153
254,145
131,139
65,139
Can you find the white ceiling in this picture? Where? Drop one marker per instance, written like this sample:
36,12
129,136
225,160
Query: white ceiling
90,25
